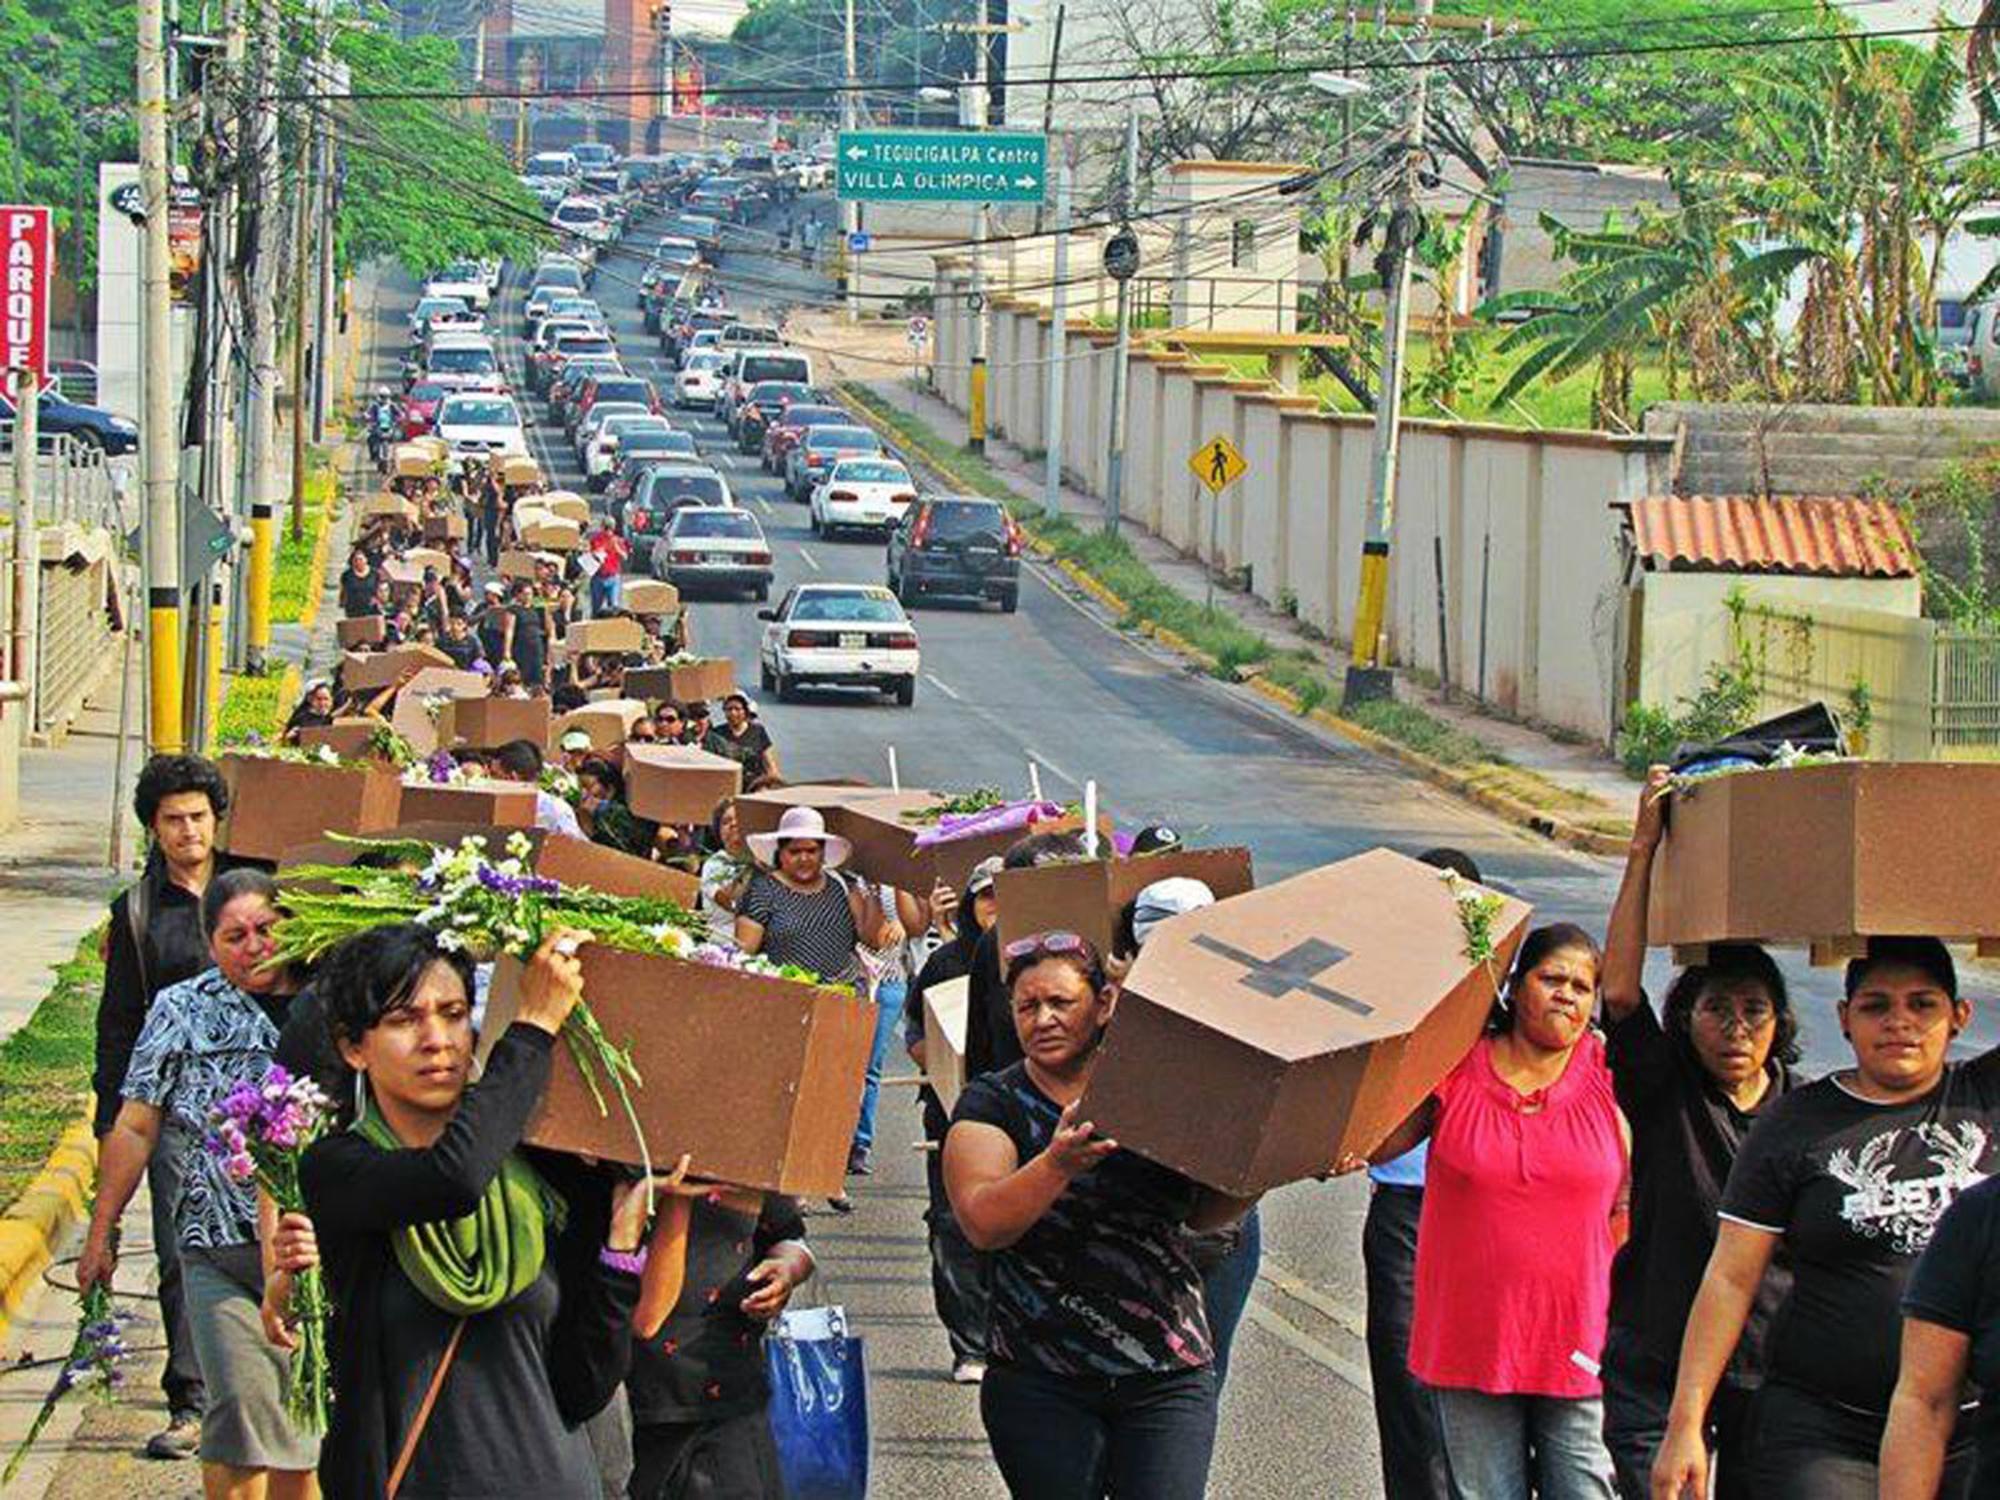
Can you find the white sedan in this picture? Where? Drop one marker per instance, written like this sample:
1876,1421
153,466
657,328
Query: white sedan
699,381
598,415
871,494
481,422
600,457
839,635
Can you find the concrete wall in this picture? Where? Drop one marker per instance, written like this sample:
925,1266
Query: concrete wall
1730,448
1523,520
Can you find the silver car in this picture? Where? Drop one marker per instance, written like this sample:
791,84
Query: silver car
714,547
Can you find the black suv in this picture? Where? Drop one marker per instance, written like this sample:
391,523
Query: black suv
957,544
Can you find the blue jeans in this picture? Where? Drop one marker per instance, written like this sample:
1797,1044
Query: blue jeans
1511,1447
1226,1288
1135,1437
603,593
888,1025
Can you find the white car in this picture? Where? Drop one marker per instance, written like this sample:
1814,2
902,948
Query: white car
870,494
713,546
466,280
839,635
445,312
463,362
481,422
699,380
584,218
600,457
602,412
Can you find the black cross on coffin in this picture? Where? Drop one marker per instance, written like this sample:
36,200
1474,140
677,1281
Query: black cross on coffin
1294,969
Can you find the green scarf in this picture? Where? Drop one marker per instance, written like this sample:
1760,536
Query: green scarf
474,1264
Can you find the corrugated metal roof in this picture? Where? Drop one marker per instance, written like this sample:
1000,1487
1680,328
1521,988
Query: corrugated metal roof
1828,536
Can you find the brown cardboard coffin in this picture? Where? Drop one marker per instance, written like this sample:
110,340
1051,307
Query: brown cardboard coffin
274,804
349,736
612,634
759,812
713,677
489,723
488,804
552,535
945,1008
388,506
885,847
428,557
1261,1039
413,462
758,1079
566,505
606,722
518,468
368,672
1086,897
518,563
574,862
678,783
361,630
648,596
1846,850
448,527
420,707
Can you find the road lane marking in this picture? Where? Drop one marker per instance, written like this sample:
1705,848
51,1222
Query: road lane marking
942,687
1048,765
1319,1352
811,561
769,509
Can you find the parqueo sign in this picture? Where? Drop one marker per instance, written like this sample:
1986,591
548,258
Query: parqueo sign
27,251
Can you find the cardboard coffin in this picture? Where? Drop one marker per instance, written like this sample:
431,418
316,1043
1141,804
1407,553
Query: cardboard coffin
489,723
678,783
517,563
759,812
367,673
349,736
405,582
1831,854
565,505
758,1079
554,535
274,804
574,862
1086,897
428,557
885,847
612,634
448,527
487,804
607,723
413,462
945,1008
1304,1022
388,507
519,469
420,707
648,596
433,445
361,630
713,677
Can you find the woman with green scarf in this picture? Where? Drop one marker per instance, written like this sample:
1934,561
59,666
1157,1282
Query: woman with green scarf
482,1305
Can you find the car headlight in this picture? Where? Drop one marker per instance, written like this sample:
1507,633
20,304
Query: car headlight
124,425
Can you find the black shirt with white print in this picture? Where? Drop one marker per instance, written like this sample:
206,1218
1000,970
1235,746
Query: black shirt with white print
1856,1187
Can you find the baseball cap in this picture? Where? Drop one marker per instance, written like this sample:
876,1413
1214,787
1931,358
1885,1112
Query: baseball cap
575,739
1155,837
981,879
1175,896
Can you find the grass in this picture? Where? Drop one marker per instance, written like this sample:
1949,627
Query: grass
252,705
45,1069
295,584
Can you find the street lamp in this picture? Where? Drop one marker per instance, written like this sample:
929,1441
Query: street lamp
1340,85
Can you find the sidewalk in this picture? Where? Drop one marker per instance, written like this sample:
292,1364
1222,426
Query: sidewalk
1582,769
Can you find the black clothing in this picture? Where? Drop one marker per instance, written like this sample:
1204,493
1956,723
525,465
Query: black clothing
1101,1285
707,1361
530,644
508,1422
1076,1437
463,650
1413,1466
733,1459
491,629
307,718
1855,1188
1804,1447
813,929
749,750
1636,1405
990,1043
1685,1137
1957,1285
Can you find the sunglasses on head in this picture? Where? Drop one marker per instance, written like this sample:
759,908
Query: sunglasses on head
1048,945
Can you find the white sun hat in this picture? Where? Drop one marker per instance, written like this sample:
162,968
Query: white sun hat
801,823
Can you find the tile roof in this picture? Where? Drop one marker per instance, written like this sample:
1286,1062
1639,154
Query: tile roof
1828,536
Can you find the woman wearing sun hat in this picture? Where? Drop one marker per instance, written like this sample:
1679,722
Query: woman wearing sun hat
797,911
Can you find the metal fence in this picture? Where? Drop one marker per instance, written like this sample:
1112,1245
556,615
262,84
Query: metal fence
1965,694
74,481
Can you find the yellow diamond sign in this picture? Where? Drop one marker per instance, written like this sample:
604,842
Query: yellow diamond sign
1218,463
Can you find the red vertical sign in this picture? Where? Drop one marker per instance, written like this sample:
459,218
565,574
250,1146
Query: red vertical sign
27,260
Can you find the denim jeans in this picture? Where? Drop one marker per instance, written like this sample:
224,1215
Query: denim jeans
603,594
1413,1466
181,1381
1511,1447
1226,1290
888,1025
1137,1437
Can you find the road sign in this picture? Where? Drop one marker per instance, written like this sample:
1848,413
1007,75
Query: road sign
858,243
206,538
27,259
1218,463
941,166
919,330
1121,255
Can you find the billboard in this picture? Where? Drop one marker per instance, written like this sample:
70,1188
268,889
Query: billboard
27,257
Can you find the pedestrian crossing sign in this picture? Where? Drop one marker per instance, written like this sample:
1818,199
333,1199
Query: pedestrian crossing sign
1218,463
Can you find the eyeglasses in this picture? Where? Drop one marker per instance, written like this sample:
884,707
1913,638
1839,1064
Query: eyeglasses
1754,1015
1047,945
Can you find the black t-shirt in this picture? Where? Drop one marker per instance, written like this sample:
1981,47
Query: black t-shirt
706,1363
463,650
1856,1188
1101,1284
990,1042
748,751
491,628
1685,1136
357,592
1957,1285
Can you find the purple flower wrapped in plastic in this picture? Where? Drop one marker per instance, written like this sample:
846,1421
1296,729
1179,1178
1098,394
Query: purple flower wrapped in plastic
95,1356
1009,817
260,1132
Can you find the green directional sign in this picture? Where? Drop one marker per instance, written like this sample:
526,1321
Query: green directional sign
941,166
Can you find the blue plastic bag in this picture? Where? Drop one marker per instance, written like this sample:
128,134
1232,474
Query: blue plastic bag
819,1405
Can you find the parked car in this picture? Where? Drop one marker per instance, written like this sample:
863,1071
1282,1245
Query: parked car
594,156
839,635
960,545
713,547
820,449
462,279
481,422
55,416
862,494
559,164
76,380
453,310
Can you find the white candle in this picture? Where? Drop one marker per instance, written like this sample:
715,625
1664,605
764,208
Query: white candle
895,779
1034,781
1090,820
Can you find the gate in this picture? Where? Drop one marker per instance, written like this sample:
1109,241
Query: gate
1965,695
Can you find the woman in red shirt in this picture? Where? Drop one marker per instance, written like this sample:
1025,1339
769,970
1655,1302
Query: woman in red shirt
1527,1156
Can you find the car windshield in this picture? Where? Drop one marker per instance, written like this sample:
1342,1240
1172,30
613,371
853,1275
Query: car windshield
579,370
620,390
774,367
706,489
810,416
772,392
610,411
716,521
869,608
658,440
586,344
426,390
431,307
842,437
872,472
553,279
954,520
701,364
480,413
464,361
630,424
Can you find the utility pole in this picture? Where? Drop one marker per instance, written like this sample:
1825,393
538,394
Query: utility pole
1367,677
302,261
157,452
973,117
26,648
850,211
1052,401
264,339
327,77
1121,351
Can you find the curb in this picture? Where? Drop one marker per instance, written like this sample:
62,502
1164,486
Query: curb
309,616
1465,784
57,1199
